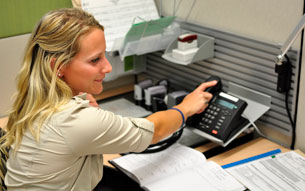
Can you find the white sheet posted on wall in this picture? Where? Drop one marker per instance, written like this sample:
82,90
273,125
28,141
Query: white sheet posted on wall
117,16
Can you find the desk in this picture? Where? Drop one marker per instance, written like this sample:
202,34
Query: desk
252,148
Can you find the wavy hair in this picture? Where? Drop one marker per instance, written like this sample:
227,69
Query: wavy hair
40,93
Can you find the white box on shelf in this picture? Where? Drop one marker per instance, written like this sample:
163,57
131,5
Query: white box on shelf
184,55
187,45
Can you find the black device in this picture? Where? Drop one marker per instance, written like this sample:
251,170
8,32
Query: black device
284,71
157,100
154,98
223,114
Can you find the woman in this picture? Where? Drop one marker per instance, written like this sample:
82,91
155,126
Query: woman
56,130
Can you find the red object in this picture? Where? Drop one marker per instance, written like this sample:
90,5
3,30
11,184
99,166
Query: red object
187,37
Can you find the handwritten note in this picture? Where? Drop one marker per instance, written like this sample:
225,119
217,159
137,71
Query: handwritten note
117,16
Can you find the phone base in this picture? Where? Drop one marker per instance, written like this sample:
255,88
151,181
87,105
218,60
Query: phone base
242,125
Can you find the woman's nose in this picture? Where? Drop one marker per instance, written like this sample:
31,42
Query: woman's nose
107,68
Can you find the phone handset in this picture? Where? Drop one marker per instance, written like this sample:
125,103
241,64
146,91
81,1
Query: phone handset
222,115
217,87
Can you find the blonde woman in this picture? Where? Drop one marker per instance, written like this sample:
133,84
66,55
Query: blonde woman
56,131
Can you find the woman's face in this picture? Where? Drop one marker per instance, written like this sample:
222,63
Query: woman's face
86,71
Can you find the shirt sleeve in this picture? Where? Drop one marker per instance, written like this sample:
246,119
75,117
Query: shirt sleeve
91,130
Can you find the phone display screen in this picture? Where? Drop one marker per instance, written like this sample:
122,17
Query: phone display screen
226,104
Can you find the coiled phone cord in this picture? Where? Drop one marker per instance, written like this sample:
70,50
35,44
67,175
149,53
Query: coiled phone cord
163,144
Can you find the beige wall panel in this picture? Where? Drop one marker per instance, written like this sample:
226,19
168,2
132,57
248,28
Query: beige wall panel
11,54
300,133
271,21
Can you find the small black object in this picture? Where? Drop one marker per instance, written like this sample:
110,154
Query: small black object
165,83
284,76
158,103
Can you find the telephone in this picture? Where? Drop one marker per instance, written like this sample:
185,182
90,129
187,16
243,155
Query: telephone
223,114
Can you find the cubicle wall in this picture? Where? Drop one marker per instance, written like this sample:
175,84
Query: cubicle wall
237,59
19,16
17,20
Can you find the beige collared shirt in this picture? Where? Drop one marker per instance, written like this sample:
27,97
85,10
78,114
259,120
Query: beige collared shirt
69,153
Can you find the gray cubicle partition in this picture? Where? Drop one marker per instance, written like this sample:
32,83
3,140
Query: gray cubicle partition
244,61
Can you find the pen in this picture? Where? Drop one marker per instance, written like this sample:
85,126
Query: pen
251,158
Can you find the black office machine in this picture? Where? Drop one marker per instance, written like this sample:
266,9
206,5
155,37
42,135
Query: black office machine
223,114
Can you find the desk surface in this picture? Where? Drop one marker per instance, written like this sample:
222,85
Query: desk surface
252,148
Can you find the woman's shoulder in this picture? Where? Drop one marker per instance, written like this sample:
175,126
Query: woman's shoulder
77,107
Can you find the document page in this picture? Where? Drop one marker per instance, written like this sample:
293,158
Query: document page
117,16
208,176
155,166
281,172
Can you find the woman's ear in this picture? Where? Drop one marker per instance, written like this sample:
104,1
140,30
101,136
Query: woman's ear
59,71
53,61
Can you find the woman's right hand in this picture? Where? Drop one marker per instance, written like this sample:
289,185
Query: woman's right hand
168,121
92,100
197,100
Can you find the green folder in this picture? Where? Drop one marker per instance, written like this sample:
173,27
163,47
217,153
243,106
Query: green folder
148,28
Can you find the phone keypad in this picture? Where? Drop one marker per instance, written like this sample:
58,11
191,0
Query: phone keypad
213,118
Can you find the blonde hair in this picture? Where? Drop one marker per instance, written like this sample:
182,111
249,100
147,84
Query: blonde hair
40,93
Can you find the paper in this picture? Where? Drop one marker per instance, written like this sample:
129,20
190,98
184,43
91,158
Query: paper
150,165
208,176
281,172
117,16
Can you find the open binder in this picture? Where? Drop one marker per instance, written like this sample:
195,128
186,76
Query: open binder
177,168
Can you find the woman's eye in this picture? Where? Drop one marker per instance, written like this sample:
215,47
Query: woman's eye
95,60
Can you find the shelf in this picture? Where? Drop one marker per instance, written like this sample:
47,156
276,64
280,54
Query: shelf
205,50
147,44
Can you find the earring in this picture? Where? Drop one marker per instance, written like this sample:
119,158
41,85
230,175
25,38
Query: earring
59,75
